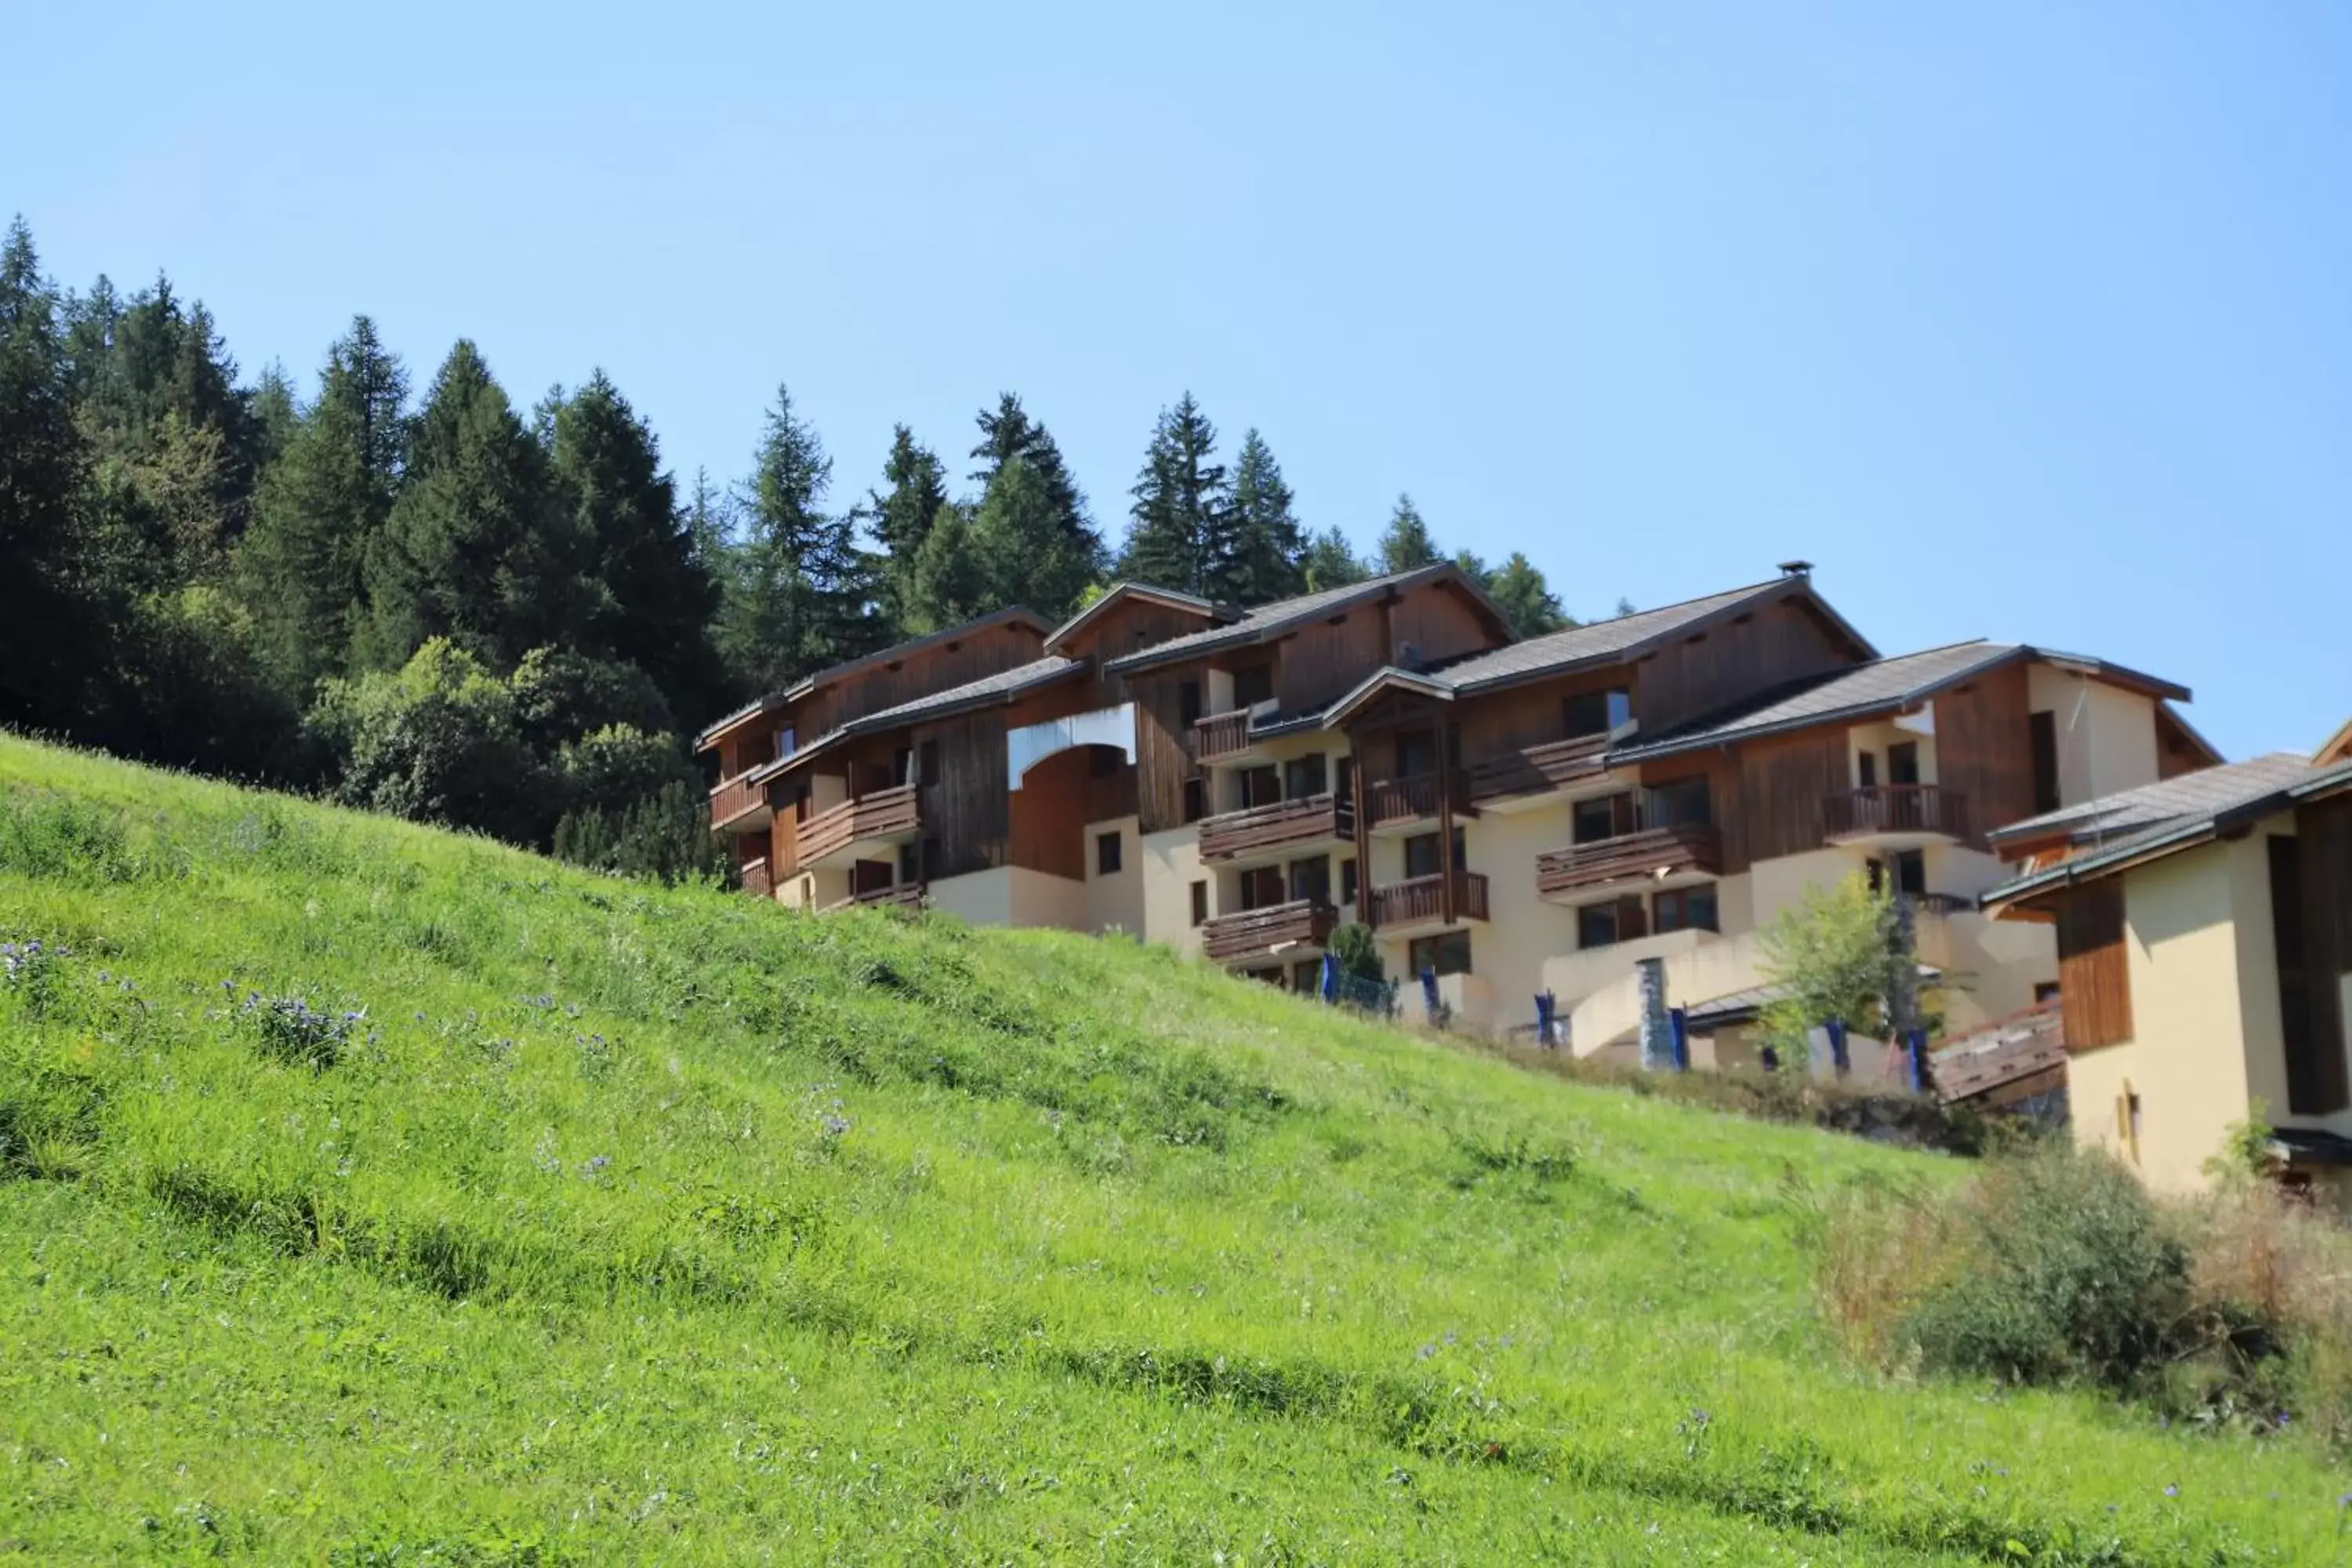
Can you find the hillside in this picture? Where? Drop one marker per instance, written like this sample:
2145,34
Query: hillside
626,1224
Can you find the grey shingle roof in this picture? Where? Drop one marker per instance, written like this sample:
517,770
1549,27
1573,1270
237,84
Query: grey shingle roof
1863,687
809,683
979,693
1600,641
1266,619
2201,793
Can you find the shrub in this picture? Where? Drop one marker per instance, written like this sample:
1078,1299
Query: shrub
436,742
1352,946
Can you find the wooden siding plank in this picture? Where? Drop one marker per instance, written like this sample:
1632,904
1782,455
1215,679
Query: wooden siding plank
2323,836
1984,747
2093,973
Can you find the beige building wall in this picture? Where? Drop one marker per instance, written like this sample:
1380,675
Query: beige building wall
1171,864
2107,736
983,898
1115,902
1876,738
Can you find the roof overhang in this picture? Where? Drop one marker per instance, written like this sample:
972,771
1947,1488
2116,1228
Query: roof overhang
1122,592
720,729
1011,616
1265,628
2337,748
1378,684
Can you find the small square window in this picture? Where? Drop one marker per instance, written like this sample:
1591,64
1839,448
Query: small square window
1199,903
1596,926
1107,854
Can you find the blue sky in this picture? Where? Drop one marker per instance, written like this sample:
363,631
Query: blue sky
2031,323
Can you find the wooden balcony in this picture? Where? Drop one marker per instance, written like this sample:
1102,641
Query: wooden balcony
1286,825
843,833
744,795
1902,814
905,896
1295,929
757,881
1532,770
1392,804
1668,856
1420,901
1220,737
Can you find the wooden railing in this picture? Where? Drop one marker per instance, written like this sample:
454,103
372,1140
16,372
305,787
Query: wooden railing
1288,928
1531,770
905,896
1413,798
1221,735
1942,903
1649,853
1896,808
877,815
756,879
1307,820
733,797
1418,900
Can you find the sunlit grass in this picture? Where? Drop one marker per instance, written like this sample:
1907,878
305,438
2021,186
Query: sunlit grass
625,1222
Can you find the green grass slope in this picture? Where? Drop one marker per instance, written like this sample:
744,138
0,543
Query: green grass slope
632,1224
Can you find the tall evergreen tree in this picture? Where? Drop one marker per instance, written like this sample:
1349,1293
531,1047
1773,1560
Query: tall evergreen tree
1266,561
1525,598
1329,562
478,547
1406,544
793,582
900,515
1060,533
1024,554
658,592
1183,512
949,581
318,509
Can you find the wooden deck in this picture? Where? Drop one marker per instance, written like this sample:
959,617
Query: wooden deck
1648,853
756,879
1420,900
1221,736
1897,811
736,796
905,896
1310,820
1532,770
887,813
1297,928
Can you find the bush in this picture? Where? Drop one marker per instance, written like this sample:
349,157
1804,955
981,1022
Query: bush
437,741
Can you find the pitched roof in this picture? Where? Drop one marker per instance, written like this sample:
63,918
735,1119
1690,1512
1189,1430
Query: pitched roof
1263,621
1119,592
1010,615
986,692
2165,818
1861,688
2337,748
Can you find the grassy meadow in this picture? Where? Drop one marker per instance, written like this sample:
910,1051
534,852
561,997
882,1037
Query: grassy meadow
372,1195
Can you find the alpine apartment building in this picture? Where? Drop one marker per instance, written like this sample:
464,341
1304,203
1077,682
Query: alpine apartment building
1514,816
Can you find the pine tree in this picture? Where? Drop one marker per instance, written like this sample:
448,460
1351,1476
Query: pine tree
318,509
948,583
1059,533
1267,561
477,549
900,517
658,593
794,580
1182,524
1406,546
1329,562
1525,598
1023,554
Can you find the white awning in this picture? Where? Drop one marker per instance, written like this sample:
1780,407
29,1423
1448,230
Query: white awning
1031,743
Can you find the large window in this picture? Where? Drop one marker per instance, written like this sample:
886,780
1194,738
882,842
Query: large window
1421,854
927,764
1253,686
1311,878
1597,712
1593,820
1687,909
1903,762
1416,753
1261,786
1448,953
1596,926
1262,887
1196,799
1680,802
2043,736
1304,777
1911,873
1187,703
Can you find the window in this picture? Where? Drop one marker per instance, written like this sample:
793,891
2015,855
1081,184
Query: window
1103,762
1187,703
1687,909
927,764
1196,799
1593,820
902,766
2044,729
787,742
1596,926
1304,777
1107,854
1261,786
1199,903
2315,1072
1868,763
1348,880
1596,713
801,804
1911,874
1306,976
1422,857
1346,792
1262,887
1311,878
931,861
1903,762
1253,686
910,863
1448,953
1682,803
2044,991
1416,753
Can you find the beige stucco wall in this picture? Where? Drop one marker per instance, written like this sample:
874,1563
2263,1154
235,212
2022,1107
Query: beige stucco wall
1878,737
2107,736
1115,903
1698,968
983,898
1041,898
1781,881
1171,864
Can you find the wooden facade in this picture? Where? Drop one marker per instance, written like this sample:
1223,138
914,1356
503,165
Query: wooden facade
1984,747
2323,853
1278,929
1781,641
1314,821
870,688
2093,973
1888,810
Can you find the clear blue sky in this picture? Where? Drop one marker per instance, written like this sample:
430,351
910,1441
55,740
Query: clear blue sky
2029,322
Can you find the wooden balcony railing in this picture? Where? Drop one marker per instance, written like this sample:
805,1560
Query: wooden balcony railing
884,813
1390,802
1942,903
1289,928
756,880
735,796
1531,770
1220,736
1420,900
905,896
1879,809
1645,854
1311,819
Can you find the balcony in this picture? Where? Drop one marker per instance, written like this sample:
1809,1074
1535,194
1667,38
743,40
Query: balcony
1295,929
1270,830
1654,857
1220,737
855,830
1393,805
1896,816
757,881
740,804
1418,903
905,896
1539,769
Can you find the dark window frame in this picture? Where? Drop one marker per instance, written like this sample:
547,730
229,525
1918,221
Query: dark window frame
1110,853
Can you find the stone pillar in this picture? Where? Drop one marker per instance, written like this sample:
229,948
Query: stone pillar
1657,1031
